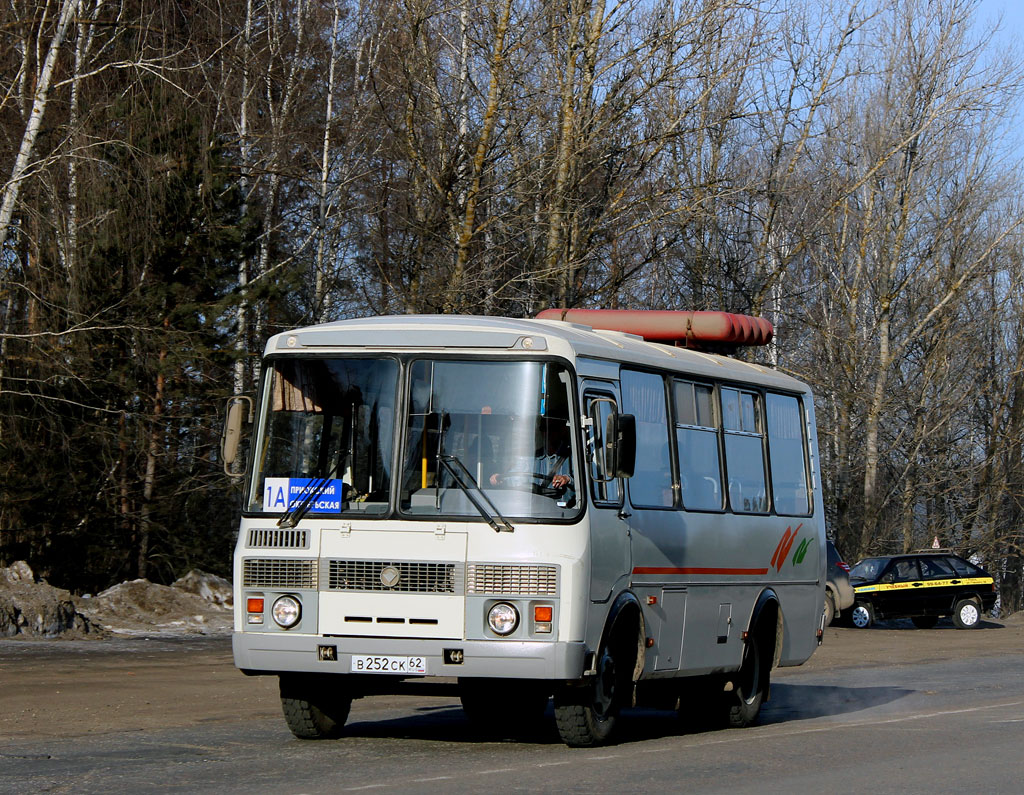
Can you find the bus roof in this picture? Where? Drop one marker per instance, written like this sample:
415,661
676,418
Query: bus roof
500,335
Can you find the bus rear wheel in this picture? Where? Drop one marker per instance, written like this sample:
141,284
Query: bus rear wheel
587,716
749,687
313,710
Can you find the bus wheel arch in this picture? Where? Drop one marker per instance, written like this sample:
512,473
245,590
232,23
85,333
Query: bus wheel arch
768,622
626,620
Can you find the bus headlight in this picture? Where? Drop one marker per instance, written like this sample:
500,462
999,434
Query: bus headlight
286,611
503,618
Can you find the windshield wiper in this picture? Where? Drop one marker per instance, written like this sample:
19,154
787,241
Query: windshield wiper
465,481
301,508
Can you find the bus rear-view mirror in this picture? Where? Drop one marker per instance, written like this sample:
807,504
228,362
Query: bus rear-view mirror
239,412
620,445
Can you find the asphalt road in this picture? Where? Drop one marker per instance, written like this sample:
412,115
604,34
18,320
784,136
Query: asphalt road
942,723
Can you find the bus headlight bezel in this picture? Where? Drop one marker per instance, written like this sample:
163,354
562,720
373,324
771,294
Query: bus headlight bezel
503,618
286,611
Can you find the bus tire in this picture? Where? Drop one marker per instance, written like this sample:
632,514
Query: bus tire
749,687
588,716
319,716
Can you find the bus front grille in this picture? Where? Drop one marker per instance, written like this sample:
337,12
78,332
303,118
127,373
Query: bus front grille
509,580
283,573
278,538
393,576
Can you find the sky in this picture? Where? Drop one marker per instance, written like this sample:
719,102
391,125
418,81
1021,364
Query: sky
1012,33
1013,16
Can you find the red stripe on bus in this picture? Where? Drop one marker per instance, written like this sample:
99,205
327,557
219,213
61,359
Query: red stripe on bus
695,570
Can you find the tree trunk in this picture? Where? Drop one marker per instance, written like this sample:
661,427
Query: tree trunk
156,432
35,119
872,497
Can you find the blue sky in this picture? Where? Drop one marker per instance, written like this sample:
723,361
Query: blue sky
1012,33
1013,16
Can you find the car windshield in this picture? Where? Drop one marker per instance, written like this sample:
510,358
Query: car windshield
507,423
868,569
327,437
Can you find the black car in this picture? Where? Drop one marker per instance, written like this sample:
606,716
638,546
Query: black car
921,586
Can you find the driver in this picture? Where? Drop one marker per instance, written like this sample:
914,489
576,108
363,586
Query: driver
551,465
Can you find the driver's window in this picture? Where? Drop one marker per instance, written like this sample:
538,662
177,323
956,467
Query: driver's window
604,488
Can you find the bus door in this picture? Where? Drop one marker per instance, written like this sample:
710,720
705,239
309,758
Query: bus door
609,531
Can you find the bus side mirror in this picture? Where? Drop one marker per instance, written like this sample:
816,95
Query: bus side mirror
620,445
239,411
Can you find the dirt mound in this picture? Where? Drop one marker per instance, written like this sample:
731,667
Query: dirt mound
38,609
209,586
198,603
140,606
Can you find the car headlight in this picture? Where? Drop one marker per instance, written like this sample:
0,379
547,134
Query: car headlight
503,618
286,611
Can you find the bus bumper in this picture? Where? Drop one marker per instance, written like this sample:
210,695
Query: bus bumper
271,653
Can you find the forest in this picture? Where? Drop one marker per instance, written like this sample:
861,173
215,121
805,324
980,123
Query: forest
181,180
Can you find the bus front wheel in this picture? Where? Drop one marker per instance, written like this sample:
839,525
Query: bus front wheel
587,716
313,712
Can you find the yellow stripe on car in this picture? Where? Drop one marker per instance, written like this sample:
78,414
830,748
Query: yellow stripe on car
918,584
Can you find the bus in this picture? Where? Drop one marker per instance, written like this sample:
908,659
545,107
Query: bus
602,508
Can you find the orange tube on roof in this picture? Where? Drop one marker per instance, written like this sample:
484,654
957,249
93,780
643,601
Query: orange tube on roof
690,329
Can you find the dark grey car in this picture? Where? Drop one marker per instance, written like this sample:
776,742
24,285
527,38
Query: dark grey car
838,591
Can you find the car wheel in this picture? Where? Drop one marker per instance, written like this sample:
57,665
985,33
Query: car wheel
925,622
863,615
966,614
829,609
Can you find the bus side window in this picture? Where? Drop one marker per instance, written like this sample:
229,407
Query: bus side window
604,488
786,446
744,451
700,467
643,396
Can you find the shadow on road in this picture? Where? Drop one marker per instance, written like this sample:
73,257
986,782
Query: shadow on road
803,702
788,703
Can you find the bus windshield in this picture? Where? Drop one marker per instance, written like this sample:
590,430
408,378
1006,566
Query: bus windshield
327,434
506,424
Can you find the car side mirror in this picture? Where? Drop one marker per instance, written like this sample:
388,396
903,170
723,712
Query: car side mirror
238,412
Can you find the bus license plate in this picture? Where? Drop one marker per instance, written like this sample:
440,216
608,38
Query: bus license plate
387,664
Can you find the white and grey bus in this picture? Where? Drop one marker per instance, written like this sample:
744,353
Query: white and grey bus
586,506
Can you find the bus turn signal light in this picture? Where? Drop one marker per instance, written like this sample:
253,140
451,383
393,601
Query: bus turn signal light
542,613
254,604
